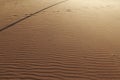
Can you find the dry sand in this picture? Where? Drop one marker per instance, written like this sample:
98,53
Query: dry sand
75,40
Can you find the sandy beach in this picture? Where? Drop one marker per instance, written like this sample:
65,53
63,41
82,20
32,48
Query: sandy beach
72,40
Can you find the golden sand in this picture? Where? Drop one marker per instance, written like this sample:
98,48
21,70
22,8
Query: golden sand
75,40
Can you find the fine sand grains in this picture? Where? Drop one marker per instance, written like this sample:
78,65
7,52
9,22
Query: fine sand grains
76,40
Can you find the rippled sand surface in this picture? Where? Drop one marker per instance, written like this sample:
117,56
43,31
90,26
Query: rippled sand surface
75,40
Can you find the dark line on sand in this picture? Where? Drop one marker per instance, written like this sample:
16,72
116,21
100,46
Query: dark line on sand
26,17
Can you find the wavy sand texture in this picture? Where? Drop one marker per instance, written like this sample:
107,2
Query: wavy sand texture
76,40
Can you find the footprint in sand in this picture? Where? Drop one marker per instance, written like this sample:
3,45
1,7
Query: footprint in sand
68,10
15,15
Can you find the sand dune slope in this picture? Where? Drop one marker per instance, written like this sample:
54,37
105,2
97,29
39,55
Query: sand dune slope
75,40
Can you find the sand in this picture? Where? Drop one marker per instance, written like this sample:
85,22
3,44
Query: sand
75,40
